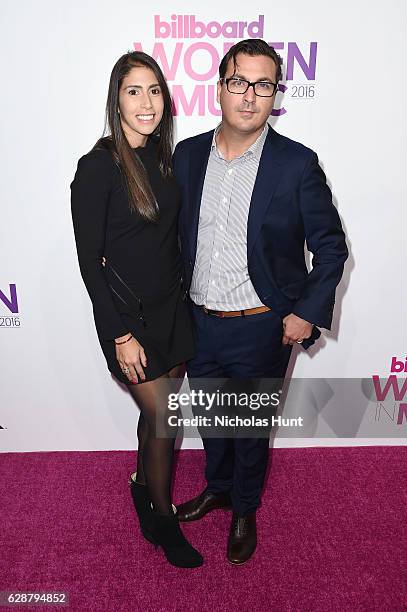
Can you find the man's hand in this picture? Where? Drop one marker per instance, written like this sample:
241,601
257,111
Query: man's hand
295,329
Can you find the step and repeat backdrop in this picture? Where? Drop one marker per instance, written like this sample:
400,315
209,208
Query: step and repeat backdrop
343,94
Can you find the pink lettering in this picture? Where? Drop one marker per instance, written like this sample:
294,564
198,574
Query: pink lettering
402,412
392,382
188,61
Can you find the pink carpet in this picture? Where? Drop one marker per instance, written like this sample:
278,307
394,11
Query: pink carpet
332,535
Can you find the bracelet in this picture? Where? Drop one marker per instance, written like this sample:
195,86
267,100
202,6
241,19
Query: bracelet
124,341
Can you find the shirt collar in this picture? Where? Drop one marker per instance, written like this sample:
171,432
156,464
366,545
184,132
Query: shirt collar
254,150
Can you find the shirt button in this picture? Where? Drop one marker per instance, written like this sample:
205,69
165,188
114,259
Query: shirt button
213,282
224,200
230,171
216,254
221,227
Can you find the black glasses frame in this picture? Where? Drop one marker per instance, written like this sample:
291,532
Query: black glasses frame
249,84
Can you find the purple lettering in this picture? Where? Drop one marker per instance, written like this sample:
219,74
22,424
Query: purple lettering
293,53
12,303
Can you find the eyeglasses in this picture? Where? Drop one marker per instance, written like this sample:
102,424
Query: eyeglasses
264,89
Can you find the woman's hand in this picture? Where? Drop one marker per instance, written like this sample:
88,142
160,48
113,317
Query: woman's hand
130,355
132,358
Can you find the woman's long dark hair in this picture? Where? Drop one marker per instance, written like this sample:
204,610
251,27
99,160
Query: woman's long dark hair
141,197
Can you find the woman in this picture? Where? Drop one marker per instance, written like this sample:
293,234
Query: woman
124,207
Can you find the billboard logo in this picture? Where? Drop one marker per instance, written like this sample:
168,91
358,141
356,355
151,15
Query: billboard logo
398,366
396,392
184,42
186,26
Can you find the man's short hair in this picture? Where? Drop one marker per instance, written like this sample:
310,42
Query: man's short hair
250,46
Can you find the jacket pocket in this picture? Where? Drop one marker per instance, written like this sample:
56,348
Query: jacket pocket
127,302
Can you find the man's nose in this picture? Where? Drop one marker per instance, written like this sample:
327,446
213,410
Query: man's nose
250,96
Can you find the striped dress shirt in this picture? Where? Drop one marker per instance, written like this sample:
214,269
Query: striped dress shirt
220,279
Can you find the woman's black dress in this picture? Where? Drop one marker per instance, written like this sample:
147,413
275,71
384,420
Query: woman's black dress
140,289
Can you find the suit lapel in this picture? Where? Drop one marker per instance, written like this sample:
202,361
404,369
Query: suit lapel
267,179
197,170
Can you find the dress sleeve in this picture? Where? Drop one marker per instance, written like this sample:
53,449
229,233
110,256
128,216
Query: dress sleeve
90,192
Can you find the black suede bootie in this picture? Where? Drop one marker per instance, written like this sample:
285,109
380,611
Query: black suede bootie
142,504
167,534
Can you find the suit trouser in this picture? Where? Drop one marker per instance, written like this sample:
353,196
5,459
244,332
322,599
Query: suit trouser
238,348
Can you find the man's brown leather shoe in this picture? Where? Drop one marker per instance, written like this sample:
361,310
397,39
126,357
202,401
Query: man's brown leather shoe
205,502
242,538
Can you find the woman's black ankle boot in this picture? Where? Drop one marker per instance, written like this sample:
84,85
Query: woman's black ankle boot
142,504
167,534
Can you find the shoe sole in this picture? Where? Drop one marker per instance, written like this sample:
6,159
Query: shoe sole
239,562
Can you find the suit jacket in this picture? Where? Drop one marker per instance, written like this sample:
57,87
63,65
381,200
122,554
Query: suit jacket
291,205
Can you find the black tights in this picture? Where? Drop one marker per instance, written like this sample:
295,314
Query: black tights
155,455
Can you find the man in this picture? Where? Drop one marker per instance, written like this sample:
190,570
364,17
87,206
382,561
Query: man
251,198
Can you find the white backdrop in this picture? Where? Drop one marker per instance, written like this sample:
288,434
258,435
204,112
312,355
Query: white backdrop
56,392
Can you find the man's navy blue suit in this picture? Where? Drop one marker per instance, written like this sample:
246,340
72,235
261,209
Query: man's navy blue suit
291,206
